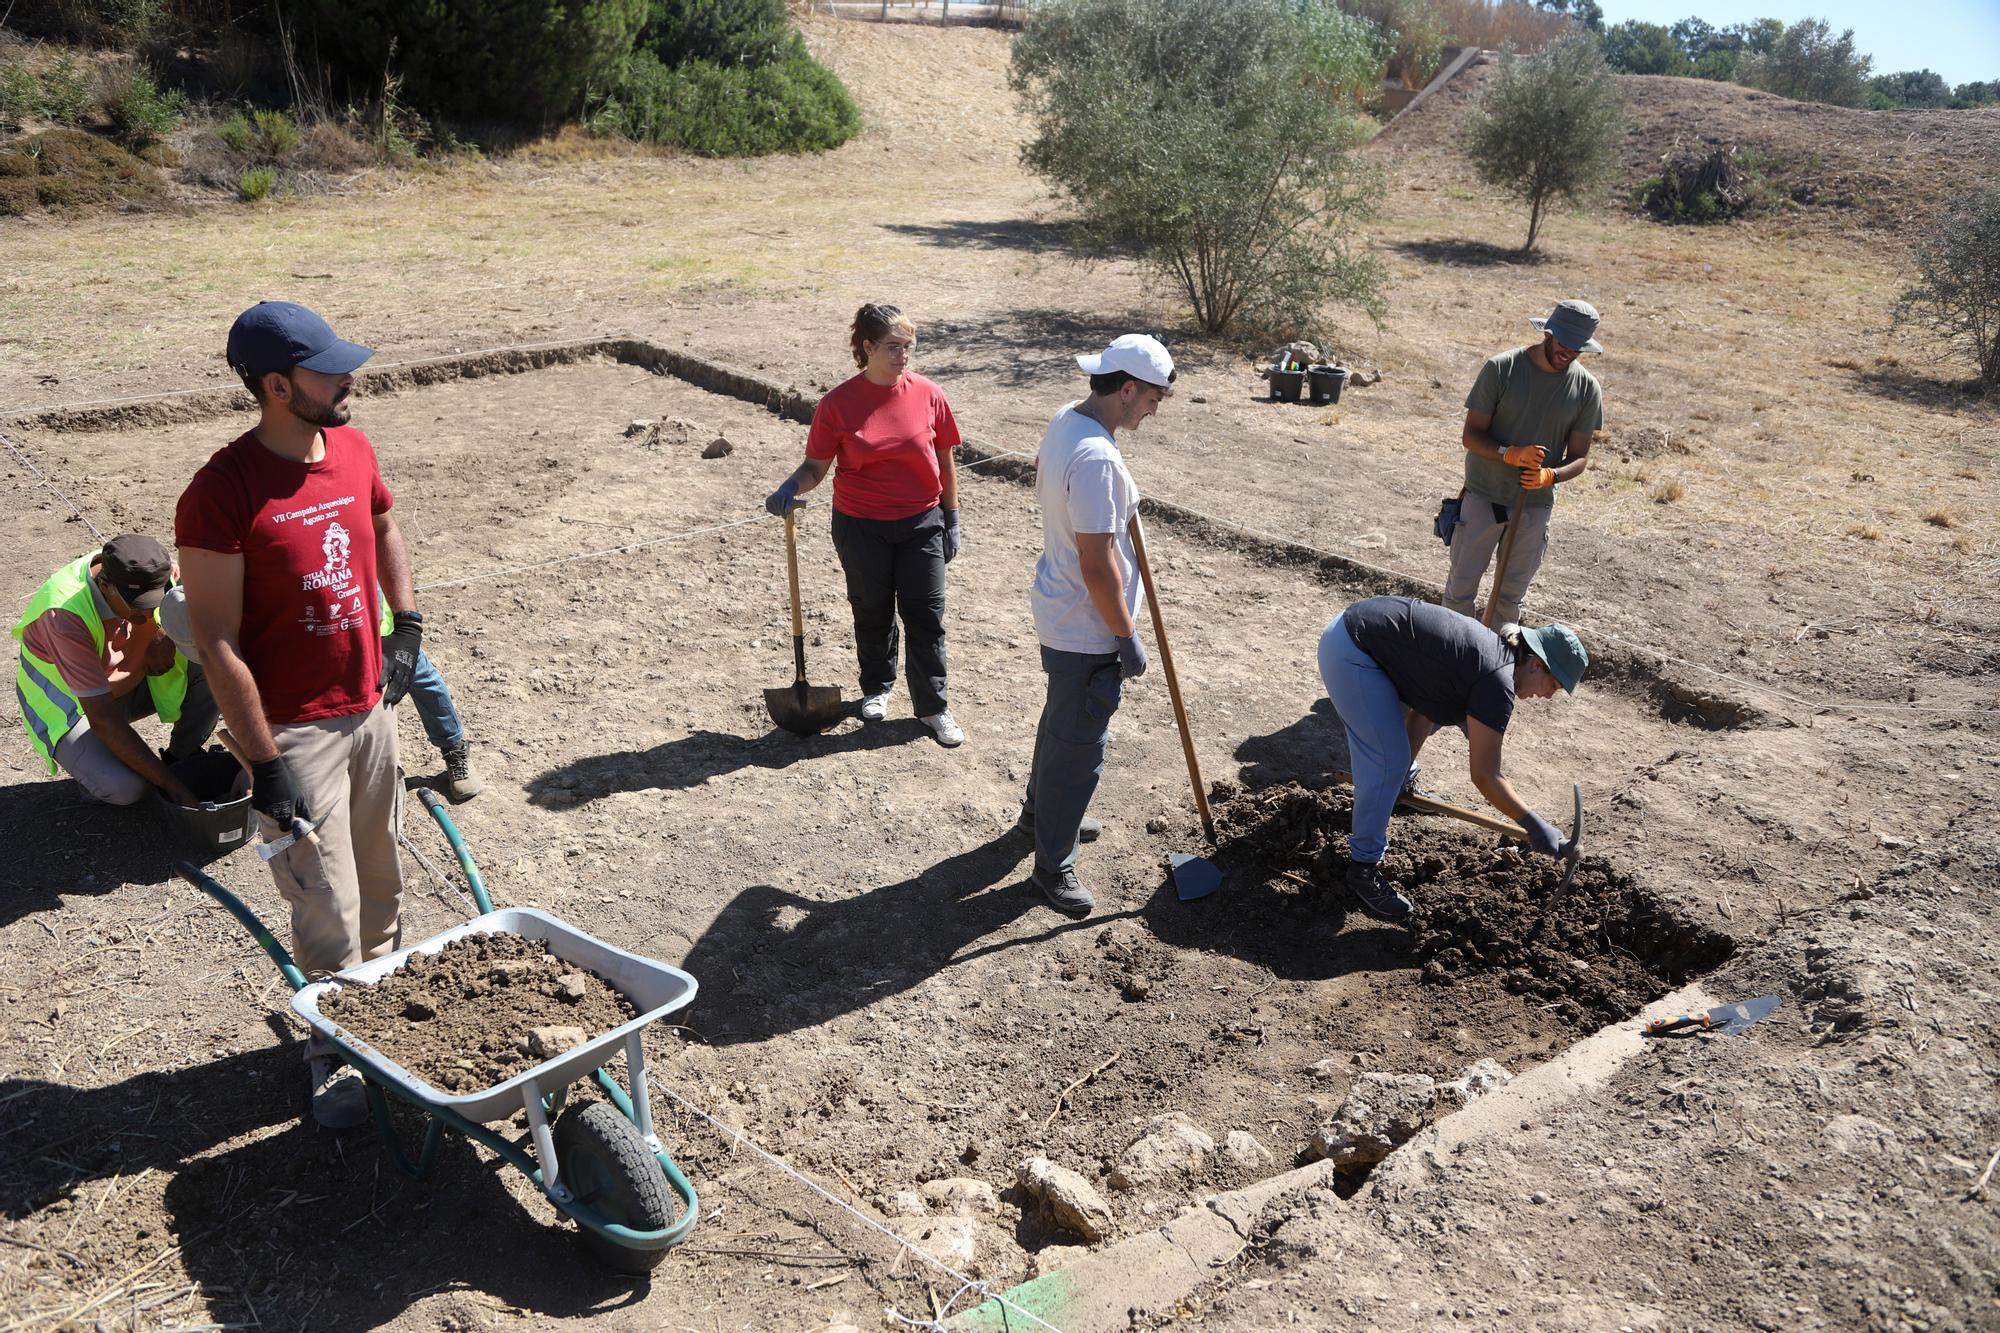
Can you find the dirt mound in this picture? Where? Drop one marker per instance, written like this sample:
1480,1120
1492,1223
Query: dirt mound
67,169
1888,168
479,1011
1487,910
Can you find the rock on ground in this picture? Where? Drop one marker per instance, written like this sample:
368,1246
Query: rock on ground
1381,1111
1475,1080
1243,1148
1170,1147
961,1196
1072,1202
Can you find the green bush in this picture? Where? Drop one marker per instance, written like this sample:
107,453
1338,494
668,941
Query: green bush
1634,47
1549,127
1809,64
1198,137
721,32
65,94
256,183
237,133
20,94
140,113
518,61
66,168
268,136
1957,296
794,106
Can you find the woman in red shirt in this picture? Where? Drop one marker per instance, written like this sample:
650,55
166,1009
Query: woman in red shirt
888,434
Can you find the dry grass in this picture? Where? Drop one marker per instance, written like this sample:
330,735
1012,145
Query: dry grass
1667,492
1497,23
1940,517
1866,532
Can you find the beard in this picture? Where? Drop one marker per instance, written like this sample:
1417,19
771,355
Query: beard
336,412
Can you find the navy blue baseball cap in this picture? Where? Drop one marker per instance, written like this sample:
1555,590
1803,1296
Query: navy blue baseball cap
280,335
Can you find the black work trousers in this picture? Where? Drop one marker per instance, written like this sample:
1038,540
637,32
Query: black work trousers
896,565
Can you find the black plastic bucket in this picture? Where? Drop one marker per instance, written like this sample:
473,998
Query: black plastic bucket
1286,385
224,818
1326,382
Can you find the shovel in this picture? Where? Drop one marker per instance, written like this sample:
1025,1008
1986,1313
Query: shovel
803,709
1194,876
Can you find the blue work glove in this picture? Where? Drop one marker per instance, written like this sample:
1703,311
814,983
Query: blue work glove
952,541
783,500
1543,836
399,656
1131,657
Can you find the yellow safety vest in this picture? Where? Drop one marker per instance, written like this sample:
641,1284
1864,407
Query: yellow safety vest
48,709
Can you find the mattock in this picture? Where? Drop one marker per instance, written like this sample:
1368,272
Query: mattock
1570,851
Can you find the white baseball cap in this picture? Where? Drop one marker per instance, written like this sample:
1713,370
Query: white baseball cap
174,620
1139,355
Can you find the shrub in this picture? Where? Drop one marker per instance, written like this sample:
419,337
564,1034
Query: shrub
794,106
1197,136
1809,64
1957,296
1412,34
1912,88
1697,185
268,136
519,61
140,113
66,168
65,94
1549,127
20,94
721,32
256,183
1643,48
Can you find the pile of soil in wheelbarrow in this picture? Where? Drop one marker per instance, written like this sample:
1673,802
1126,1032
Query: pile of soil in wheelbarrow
1486,908
479,1011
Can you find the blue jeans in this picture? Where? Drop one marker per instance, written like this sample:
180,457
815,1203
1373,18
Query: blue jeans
434,706
1378,747
1084,691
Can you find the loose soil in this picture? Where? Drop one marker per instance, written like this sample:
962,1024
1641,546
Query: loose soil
479,1010
1489,915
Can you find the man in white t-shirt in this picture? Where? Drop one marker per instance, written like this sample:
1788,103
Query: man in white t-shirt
1086,598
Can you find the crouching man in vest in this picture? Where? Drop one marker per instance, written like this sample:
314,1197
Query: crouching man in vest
93,660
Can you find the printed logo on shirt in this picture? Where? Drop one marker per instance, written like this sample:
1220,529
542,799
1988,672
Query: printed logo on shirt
335,546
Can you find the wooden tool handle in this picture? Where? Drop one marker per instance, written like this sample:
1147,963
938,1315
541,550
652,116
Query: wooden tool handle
229,743
1419,801
1173,678
1500,570
792,572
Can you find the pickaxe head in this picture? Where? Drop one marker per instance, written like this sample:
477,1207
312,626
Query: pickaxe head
1570,851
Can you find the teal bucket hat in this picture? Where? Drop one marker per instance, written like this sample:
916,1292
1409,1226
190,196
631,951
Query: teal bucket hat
1561,651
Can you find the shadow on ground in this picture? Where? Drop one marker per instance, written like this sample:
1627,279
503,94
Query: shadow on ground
1004,234
1455,253
701,755
295,1228
60,843
1310,750
773,962
1022,346
1911,386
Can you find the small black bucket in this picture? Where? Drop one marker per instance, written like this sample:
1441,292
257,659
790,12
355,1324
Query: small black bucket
1326,382
1286,385
225,817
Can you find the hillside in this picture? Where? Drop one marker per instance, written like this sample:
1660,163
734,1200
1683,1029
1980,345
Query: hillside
1885,169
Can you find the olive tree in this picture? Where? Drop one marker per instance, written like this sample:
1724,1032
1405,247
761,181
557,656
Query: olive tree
1957,295
1549,127
1809,64
1212,140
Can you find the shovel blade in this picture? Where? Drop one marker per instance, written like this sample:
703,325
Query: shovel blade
1194,876
805,710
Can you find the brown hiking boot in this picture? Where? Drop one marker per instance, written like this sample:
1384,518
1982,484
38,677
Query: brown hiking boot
460,782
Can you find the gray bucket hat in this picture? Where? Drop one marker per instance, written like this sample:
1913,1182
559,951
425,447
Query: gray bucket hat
1573,323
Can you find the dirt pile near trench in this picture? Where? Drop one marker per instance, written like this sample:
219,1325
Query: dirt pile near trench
1487,911
479,1011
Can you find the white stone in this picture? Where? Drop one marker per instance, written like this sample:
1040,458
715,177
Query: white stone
961,1196
1475,1080
1072,1202
1381,1111
1170,1147
1242,1147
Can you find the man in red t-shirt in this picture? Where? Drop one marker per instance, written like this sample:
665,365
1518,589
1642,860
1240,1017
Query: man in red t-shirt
284,536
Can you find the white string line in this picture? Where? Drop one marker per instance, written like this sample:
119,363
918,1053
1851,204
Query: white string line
29,463
1384,572
624,548
969,1283
471,908
229,386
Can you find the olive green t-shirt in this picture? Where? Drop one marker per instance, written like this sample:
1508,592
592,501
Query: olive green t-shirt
1529,406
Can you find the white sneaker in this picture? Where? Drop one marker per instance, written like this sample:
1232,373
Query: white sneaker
339,1098
945,727
875,707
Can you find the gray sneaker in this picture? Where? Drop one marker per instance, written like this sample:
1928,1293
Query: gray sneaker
460,782
1064,891
1088,831
1377,896
339,1098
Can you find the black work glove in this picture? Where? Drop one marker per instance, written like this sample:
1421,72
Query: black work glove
272,793
399,656
1131,657
1543,836
952,542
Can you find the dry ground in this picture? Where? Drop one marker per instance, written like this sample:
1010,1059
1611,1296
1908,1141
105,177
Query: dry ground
884,1002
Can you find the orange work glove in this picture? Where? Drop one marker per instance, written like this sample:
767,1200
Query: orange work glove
1535,478
1524,455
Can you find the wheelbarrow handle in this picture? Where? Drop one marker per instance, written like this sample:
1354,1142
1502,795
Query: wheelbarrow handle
258,930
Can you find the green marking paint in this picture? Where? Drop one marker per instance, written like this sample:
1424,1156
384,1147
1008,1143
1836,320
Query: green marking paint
1045,1297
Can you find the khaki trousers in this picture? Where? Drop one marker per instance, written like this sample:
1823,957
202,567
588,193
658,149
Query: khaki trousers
346,893
1473,542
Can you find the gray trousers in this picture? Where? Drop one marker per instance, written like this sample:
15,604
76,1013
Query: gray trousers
1473,542
347,893
1084,691
103,776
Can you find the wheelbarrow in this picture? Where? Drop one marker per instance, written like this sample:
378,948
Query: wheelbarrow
601,1164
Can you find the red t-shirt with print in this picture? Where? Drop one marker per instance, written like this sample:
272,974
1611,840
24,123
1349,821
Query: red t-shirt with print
885,444
306,531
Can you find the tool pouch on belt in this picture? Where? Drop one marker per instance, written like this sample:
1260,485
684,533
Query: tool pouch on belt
1447,518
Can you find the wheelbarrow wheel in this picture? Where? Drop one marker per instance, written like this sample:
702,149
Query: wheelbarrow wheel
606,1165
